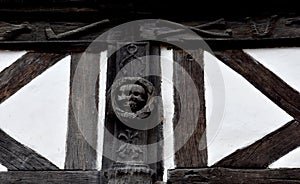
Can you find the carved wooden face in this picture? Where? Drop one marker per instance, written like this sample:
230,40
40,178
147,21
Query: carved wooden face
131,97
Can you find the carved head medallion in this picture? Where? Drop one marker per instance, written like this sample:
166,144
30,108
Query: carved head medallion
132,98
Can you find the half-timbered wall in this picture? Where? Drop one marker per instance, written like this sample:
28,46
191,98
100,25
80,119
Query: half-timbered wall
53,30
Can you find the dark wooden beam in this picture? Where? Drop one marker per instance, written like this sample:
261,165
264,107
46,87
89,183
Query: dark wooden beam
266,150
188,9
182,176
177,176
50,177
191,151
16,156
219,33
83,112
49,46
24,70
263,79
81,45
233,176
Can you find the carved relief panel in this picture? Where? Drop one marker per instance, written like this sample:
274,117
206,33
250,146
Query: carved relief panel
133,113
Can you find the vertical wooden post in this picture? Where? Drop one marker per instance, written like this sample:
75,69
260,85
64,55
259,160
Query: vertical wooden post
192,152
132,160
155,134
81,145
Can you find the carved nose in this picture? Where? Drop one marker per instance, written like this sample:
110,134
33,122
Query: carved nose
132,96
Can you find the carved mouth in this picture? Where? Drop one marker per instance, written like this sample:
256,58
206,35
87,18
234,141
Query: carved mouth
130,104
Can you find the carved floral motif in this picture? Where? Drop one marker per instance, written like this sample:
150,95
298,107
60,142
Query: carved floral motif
128,150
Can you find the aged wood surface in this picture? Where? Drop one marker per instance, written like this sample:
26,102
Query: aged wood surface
127,62
219,33
51,35
24,70
10,31
131,8
194,152
263,79
15,156
234,176
113,125
155,135
81,143
178,176
50,177
266,150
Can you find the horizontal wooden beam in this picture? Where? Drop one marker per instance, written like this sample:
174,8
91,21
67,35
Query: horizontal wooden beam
24,70
263,79
15,156
50,177
81,45
266,150
48,46
177,176
187,9
233,176
220,33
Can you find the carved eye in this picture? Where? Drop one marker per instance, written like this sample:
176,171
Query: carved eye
136,93
189,57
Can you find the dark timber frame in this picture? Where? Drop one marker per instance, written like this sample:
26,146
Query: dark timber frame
53,29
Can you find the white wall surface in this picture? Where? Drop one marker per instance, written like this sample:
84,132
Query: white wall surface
248,114
37,114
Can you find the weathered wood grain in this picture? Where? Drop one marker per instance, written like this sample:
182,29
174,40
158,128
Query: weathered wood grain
83,112
266,150
24,70
16,156
233,176
116,65
50,177
194,152
263,79
177,176
262,31
155,135
10,31
154,9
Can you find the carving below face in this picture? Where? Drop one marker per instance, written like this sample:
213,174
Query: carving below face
132,97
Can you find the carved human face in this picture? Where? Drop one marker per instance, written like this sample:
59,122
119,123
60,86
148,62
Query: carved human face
132,97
